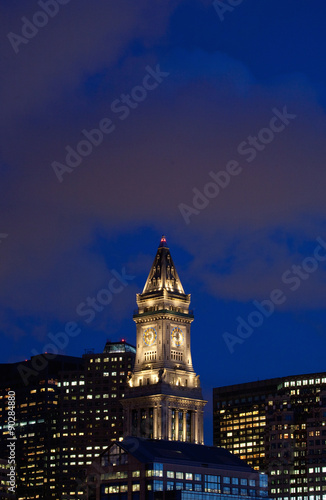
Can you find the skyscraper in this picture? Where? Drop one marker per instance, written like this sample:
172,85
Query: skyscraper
35,384
164,400
66,412
90,414
278,426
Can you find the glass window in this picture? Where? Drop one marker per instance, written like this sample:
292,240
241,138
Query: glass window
122,474
189,486
135,473
243,482
179,486
117,456
158,470
235,491
189,476
263,480
235,480
212,483
243,491
170,474
136,487
211,479
179,475
197,477
198,487
252,482
158,485
170,485
226,480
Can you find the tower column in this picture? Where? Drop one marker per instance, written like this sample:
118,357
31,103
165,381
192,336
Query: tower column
164,420
159,422
201,428
195,427
184,426
169,422
176,425
155,433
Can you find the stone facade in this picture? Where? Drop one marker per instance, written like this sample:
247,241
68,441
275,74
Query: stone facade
164,399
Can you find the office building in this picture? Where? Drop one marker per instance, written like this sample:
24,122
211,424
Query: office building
279,427
35,383
4,480
139,469
66,408
91,413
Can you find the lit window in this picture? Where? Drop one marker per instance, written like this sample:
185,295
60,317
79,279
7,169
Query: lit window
158,470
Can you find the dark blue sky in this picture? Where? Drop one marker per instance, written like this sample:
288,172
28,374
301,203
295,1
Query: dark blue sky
248,90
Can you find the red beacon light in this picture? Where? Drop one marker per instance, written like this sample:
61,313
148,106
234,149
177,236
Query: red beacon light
163,242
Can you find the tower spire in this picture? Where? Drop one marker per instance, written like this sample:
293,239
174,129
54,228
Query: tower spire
163,274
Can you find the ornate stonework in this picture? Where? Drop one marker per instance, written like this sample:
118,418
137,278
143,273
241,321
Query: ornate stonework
164,400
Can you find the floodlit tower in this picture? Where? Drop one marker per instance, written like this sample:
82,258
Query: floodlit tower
164,400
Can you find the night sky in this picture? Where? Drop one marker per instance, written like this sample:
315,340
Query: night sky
182,94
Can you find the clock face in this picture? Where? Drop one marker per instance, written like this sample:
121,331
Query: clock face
149,336
177,337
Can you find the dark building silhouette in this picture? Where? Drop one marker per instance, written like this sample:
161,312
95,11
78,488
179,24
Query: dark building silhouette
36,397
279,427
91,414
66,408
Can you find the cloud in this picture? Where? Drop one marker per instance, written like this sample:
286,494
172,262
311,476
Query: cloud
191,124
79,41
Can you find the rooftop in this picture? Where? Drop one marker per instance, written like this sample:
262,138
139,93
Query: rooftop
155,450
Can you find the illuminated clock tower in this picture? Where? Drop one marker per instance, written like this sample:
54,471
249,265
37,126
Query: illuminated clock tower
164,400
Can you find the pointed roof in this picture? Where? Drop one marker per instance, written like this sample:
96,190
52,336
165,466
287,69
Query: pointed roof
163,274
